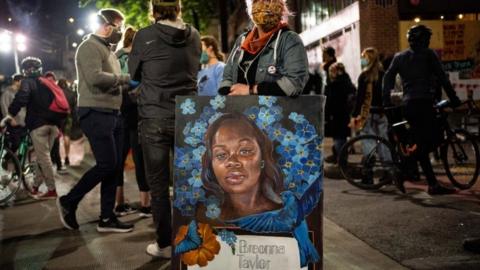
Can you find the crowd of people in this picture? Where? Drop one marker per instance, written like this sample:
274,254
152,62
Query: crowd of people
126,100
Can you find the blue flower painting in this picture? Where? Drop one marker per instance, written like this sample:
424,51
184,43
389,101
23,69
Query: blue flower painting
222,142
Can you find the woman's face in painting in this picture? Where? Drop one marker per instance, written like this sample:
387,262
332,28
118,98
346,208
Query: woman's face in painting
236,158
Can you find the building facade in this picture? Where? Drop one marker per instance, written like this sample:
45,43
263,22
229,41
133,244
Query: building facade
351,26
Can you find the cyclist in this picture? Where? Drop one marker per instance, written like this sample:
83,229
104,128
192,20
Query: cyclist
42,122
417,67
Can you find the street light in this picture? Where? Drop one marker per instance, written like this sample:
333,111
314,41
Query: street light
17,42
71,20
80,32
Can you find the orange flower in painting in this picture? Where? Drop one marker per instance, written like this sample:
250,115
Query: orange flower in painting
207,250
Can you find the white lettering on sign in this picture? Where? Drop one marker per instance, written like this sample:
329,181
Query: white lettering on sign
256,253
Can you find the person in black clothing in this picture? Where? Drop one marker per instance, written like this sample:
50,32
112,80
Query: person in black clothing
417,67
328,56
339,93
165,58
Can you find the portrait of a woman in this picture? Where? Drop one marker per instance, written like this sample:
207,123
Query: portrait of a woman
239,167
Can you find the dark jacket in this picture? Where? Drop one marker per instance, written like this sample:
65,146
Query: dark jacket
338,106
36,97
418,69
166,61
376,106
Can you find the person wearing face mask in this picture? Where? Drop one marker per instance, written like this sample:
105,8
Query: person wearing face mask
100,86
367,115
210,76
269,59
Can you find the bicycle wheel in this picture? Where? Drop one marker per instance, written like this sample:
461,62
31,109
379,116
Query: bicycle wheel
10,175
366,162
28,171
461,159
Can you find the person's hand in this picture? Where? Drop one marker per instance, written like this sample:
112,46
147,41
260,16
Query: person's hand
5,120
133,84
353,122
13,123
239,89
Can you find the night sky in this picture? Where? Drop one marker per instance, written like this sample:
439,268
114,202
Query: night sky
46,25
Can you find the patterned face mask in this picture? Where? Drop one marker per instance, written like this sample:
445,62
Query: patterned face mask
267,15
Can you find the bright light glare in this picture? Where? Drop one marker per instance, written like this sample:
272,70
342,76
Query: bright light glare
74,44
460,16
21,47
5,42
93,22
71,20
417,20
80,32
20,39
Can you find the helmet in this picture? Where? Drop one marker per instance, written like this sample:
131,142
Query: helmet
31,66
419,35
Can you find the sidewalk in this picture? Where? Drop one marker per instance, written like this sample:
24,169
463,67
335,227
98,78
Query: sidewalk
33,238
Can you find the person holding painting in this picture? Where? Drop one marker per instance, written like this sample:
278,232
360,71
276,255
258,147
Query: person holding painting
268,60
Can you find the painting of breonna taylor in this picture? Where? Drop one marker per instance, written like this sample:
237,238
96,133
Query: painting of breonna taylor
247,175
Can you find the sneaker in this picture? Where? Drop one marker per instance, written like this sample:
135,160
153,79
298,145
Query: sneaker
49,195
67,161
145,212
67,214
124,209
155,251
62,170
114,225
34,192
440,190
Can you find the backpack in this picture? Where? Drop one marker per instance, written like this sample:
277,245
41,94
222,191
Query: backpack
59,102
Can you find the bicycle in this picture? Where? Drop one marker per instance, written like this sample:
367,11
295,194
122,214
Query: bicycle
471,119
11,176
385,161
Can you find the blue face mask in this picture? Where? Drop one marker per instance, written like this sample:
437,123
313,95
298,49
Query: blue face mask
204,58
363,62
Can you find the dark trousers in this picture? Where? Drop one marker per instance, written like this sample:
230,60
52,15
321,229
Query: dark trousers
130,141
103,132
157,140
15,135
55,153
420,114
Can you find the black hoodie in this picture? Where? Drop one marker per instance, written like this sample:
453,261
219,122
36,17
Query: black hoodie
166,61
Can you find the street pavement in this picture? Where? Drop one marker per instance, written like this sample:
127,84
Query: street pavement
362,230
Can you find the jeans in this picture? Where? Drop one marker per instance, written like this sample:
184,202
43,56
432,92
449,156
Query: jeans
338,143
376,125
103,132
42,139
157,141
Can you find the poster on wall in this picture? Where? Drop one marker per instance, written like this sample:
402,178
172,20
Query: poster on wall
248,183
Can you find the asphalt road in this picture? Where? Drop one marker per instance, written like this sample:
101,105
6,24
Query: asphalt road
415,229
